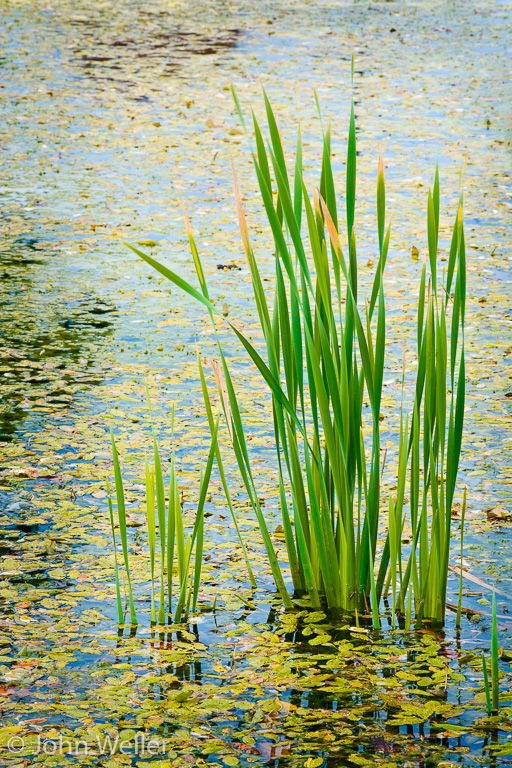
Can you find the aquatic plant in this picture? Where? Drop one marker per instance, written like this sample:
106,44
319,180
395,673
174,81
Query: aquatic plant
120,612
462,520
492,688
121,516
486,685
495,671
325,357
169,530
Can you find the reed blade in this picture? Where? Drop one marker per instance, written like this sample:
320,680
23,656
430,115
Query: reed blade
120,614
486,685
495,671
198,530
150,515
462,519
218,457
121,514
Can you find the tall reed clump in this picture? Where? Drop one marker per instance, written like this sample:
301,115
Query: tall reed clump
325,355
165,526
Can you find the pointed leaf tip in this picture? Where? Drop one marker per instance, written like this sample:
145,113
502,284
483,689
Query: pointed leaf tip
316,204
240,211
187,223
333,234
381,164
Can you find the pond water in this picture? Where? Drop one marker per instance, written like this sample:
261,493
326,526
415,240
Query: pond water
114,117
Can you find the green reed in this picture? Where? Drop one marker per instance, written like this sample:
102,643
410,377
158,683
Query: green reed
492,688
495,671
121,515
120,613
462,520
325,356
487,687
165,525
